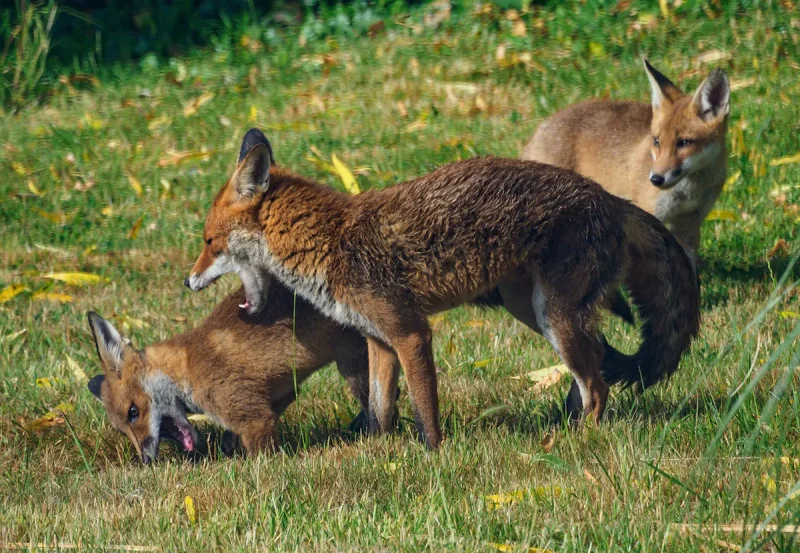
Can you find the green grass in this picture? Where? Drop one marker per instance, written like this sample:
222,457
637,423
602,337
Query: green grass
718,444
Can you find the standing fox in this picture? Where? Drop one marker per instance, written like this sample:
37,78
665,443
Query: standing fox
549,243
668,159
241,370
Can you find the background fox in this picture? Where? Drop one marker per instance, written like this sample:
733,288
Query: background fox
240,370
668,158
550,243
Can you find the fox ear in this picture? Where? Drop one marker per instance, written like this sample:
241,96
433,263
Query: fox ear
252,174
713,96
663,90
251,139
110,345
95,384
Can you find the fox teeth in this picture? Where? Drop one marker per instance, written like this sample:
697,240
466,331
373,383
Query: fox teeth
243,305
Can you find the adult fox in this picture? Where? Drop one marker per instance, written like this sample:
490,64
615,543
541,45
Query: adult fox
549,243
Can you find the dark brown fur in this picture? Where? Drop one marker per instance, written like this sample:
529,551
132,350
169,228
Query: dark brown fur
536,234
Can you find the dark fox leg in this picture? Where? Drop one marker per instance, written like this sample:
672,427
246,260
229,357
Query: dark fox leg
259,434
384,370
352,362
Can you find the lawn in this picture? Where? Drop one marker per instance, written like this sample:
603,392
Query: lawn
112,172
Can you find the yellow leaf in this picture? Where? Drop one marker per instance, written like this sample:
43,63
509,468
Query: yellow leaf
784,160
158,122
19,168
541,374
176,158
496,501
135,184
390,467
135,228
76,369
51,296
484,362
731,180
518,28
253,115
509,547
198,417
721,215
350,182
63,409
130,322
12,291
34,190
47,382
192,107
416,126
790,315
738,84
108,211
76,279
597,50
58,218
190,512
47,421
664,7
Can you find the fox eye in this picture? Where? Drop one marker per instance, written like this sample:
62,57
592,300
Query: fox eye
208,241
133,414
683,142
656,143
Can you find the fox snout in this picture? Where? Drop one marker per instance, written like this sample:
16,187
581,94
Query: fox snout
666,179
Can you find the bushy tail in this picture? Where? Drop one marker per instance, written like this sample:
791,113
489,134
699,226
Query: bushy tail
665,289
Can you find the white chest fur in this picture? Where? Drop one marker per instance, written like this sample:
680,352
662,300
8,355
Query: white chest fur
253,250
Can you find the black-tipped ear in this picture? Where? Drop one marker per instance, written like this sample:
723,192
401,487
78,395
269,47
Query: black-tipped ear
109,343
95,384
252,175
661,87
253,138
713,96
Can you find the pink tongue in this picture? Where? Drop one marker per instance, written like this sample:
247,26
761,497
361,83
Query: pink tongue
188,444
245,305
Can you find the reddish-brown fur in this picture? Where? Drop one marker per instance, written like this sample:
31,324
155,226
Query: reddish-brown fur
550,243
241,370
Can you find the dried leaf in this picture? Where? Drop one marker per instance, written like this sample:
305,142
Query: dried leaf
784,160
198,417
192,107
10,292
781,246
664,7
176,158
76,279
44,422
19,168
510,547
129,322
790,315
135,228
159,122
589,476
34,190
541,374
721,215
191,514
76,369
135,184
416,126
11,337
484,362
548,442
349,181
731,180
51,296
711,56
497,501
58,218
518,28
47,382
83,186
738,84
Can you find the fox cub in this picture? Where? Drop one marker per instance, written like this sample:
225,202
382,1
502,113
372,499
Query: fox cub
668,158
548,243
241,370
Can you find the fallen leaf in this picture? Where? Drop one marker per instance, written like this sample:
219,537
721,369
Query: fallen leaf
34,190
390,467
192,107
731,180
76,369
781,246
188,502
135,228
198,417
664,7
47,382
518,28
589,476
784,160
484,362
790,315
51,296
107,211
349,181
738,84
510,547
179,319
176,158
416,126
76,279
497,501
129,322
548,442
47,421
711,56
253,115
10,292
19,168
58,218
159,122
721,215
540,374
84,185
135,184
11,337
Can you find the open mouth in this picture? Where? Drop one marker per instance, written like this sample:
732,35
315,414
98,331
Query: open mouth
180,431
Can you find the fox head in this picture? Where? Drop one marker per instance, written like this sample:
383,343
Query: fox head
688,132
232,222
140,402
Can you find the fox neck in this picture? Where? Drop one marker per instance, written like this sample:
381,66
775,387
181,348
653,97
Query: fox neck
170,377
